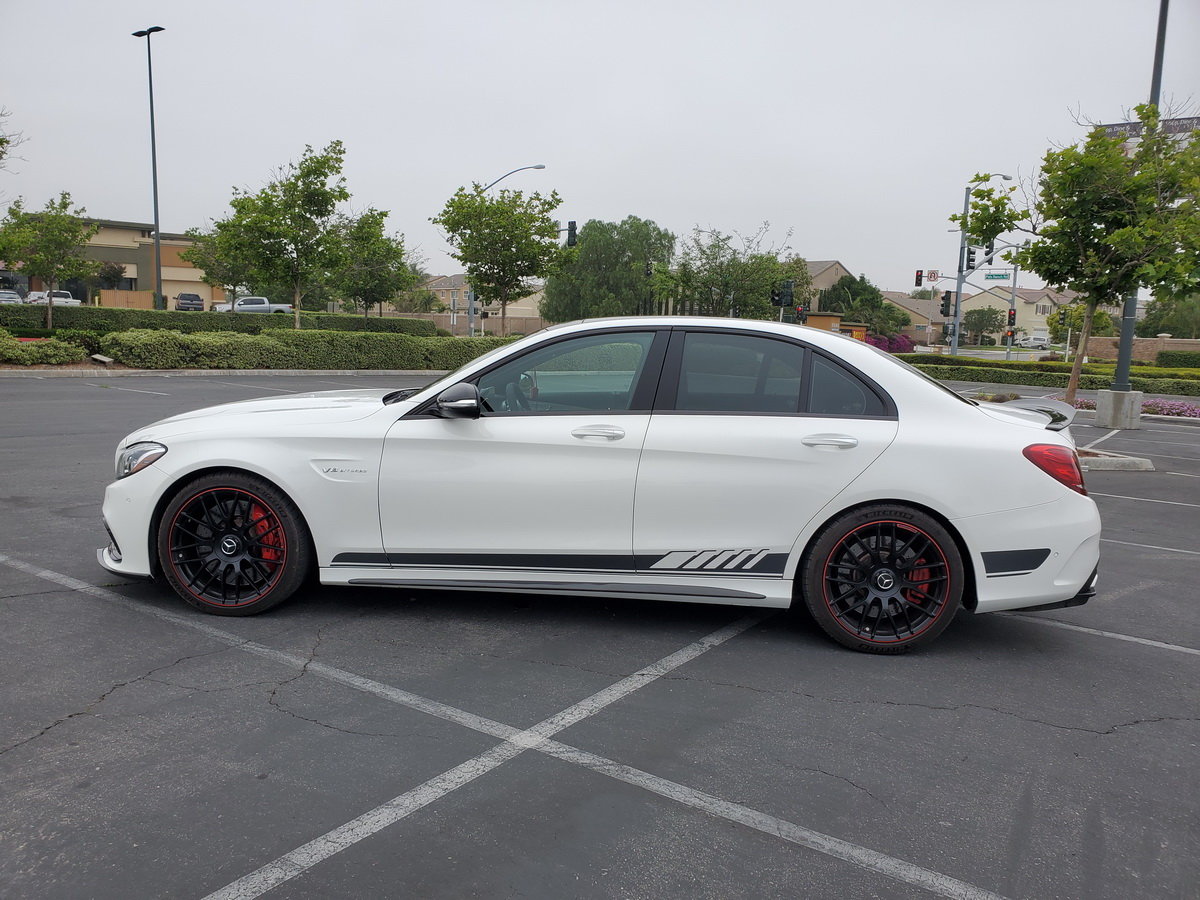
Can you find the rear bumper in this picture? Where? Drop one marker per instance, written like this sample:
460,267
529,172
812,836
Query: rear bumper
1086,593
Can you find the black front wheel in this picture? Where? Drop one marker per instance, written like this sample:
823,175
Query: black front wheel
232,544
883,579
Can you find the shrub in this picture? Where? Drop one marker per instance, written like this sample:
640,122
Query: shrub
48,352
1178,359
88,340
450,353
950,372
106,320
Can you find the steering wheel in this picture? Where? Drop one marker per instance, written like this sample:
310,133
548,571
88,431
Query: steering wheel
513,397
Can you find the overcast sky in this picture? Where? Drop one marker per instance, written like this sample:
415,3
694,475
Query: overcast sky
853,124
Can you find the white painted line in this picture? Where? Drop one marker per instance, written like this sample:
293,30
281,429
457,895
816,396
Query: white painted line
515,742
1108,634
129,390
1184,474
302,858
1150,547
1144,499
1099,439
256,387
1136,440
898,869
1152,455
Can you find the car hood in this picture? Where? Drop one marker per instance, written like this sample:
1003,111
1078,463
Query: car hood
320,407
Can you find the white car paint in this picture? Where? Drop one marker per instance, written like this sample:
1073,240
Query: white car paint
714,508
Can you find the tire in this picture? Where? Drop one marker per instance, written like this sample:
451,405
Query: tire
883,579
232,544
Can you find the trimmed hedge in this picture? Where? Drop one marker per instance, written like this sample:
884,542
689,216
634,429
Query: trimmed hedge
106,320
1178,359
1180,386
291,349
48,352
1092,368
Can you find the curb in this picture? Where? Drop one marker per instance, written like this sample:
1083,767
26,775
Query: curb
99,372
1102,461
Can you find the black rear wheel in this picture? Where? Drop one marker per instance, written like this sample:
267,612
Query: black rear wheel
883,579
233,545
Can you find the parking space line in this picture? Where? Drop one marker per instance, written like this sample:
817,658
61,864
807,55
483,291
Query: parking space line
515,741
1184,474
1150,547
1099,439
1144,499
260,387
1117,636
130,390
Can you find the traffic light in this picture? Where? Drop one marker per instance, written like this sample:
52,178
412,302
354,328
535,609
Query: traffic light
920,276
1012,318
1062,317
788,295
572,237
776,297
801,314
649,269
947,304
989,258
970,258
1008,334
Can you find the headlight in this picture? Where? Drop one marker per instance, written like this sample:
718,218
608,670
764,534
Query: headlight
137,456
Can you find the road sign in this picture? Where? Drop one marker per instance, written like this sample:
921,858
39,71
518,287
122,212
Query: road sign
996,276
1168,126
932,274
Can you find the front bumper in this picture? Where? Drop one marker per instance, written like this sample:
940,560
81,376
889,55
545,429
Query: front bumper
128,510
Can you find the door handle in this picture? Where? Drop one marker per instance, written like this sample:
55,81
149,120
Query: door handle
604,432
837,441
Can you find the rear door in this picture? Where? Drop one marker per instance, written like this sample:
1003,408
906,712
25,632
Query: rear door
751,436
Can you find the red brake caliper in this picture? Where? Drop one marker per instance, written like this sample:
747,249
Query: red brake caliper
272,551
919,577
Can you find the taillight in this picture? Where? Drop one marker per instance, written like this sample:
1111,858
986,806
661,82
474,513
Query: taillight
1060,463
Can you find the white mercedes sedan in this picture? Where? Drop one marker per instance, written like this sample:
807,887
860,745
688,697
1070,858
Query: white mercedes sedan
705,460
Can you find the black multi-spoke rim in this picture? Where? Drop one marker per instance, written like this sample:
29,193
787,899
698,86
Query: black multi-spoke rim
227,547
886,582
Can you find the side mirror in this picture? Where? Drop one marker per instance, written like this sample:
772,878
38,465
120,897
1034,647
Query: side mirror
461,401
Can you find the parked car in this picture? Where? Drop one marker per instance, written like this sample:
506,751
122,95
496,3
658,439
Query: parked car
9,297
772,465
61,298
1033,342
193,302
253,305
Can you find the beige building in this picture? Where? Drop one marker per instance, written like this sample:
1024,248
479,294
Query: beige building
522,316
926,317
1035,306
825,273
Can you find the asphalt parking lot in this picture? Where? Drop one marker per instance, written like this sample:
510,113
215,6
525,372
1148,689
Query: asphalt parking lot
358,743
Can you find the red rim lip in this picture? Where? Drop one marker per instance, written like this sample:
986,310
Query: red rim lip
279,564
924,626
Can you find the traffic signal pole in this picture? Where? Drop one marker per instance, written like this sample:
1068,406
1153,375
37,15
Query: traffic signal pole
962,263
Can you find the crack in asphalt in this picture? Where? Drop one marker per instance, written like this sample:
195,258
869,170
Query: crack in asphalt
88,710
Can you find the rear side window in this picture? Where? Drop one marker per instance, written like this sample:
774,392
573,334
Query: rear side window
833,391
739,373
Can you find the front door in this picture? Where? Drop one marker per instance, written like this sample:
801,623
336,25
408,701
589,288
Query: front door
543,481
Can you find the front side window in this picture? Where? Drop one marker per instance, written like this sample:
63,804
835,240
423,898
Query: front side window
584,374
739,373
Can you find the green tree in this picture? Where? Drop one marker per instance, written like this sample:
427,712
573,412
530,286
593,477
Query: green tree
48,244
286,232
221,255
1180,318
987,320
611,273
1106,219
858,300
505,240
372,268
730,275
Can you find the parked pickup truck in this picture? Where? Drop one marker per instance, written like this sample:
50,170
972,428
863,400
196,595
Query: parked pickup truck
253,305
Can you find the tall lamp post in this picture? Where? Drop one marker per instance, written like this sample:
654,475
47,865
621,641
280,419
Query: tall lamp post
963,242
471,292
159,300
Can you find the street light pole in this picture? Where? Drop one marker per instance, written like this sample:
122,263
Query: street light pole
962,258
471,291
159,300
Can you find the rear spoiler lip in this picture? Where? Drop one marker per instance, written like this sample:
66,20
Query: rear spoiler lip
1058,413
